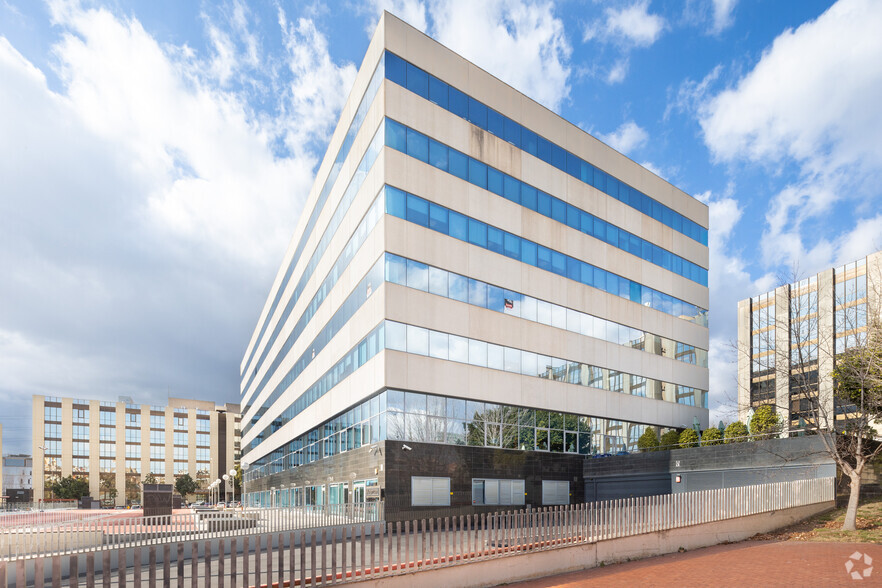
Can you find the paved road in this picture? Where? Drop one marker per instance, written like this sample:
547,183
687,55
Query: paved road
749,563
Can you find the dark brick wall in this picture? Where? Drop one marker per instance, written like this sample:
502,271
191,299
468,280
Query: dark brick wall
461,464
394,467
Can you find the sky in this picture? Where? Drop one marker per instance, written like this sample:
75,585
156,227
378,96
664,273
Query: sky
155,156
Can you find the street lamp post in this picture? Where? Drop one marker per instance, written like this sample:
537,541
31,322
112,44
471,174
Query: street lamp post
233,484
226,478
42,476
245,466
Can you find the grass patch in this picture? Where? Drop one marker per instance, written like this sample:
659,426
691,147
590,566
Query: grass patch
827,527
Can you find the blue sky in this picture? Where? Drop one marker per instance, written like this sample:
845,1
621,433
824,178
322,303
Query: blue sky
155,156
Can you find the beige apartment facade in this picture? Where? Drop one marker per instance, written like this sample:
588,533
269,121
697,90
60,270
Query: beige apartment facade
473,280
115,445
788,340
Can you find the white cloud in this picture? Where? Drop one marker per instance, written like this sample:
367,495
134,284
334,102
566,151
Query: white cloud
413,12
521,42
618,71
628,137
145,202
722,15
630,25
812,101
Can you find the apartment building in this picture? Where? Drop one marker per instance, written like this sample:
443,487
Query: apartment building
115,445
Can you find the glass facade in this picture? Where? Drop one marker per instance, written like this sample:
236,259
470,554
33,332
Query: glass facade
762,346
438,155
419,276
449,222
409,416
449,98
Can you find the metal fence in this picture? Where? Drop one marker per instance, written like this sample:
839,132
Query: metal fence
352,552
60,533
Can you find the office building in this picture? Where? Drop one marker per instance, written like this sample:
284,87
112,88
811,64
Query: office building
18,478
478,296
788,340
115,445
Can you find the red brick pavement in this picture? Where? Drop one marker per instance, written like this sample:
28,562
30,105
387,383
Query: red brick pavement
749,563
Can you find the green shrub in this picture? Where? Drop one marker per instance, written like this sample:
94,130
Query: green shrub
670,440
765,422
711,436
689,438
648,441
736,429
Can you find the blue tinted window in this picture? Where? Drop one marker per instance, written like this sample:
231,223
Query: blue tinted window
558,263
558,157
458,226
438,92
558,210
599,229
494,123
494,181
512,132
495,298
587,275
437,154
586,224
574,217
529,141
544,149
512,189
477,293
612,188
459,164
395,202
438,218
512,246
528,252
574,268
528,197
477,233
612,235
459,103
586,172
634,246
544,258
396,136
477,113
417,145
494,240
477,173
417,81
574,166
544,205
458,286
417,210
395,69
396,269
599,180
635,292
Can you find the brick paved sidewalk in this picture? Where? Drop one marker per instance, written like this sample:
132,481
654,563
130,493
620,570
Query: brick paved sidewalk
749,563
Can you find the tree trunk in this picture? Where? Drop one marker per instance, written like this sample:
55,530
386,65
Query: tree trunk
853,497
